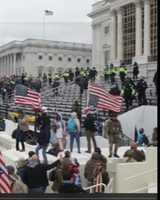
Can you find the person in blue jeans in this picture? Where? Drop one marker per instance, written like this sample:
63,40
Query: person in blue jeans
73,128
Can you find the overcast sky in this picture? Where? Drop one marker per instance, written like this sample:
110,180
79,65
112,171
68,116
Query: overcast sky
21,19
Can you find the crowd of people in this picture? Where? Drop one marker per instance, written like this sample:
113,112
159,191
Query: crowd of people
130,88
51,135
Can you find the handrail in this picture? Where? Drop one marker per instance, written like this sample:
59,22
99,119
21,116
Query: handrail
108,188
140,174
94,186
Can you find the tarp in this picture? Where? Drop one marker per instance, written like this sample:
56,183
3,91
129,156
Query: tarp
141,117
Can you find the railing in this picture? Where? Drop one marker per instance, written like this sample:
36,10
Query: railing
107,188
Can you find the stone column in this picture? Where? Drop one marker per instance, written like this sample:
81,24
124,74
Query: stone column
5,65
147,25
14,63
113,35
138,28
119,35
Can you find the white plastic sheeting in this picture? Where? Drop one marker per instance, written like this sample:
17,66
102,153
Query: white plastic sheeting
141,117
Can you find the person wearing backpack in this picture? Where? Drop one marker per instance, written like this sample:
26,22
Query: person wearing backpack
73,128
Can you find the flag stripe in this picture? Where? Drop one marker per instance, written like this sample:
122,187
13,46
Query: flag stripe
104,92
5,183
31,98
106,101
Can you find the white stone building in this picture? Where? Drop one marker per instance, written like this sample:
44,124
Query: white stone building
37,56
124,31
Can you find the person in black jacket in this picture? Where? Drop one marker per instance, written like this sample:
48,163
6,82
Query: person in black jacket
141,90
90,129
135,71
43,136
35,175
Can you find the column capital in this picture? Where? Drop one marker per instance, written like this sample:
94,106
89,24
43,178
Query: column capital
138,3
113,12
119,10
146,1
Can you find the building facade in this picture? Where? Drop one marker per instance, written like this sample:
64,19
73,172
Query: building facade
124,31
35,56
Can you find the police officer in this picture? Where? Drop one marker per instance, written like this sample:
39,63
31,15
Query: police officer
112,74
141,90
128,92
66,77
122,73
93,74
135,71
49,78
71,75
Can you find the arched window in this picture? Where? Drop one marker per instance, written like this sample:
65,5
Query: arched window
88,61
40,57
69,59
50,58
60,59
78,60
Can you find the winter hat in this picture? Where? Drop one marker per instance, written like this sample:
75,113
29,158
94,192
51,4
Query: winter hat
74,114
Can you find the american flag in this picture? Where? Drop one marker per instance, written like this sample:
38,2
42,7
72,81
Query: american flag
26,96
48,12
102,99
5,183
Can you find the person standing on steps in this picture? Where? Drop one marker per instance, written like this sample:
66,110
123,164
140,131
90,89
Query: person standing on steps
44,134
90,129
113,131
23,127
73,128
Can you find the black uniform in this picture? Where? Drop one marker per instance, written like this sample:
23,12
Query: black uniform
141,90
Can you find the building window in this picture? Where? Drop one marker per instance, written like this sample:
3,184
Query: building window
106,29
87,61
69,59
40,57
50,57
60,59
129,32
78,60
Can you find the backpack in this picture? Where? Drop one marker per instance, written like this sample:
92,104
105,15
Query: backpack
72,126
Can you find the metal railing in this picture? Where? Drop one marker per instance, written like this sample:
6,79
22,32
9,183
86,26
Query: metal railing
107,188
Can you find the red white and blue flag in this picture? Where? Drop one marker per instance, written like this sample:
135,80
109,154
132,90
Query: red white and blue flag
102,99
26,96
5,183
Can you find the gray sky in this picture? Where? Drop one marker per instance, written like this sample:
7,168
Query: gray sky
21,19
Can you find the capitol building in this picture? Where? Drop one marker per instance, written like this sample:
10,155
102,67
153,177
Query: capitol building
124,31
35,56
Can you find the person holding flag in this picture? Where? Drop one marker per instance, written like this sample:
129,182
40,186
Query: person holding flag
101,99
